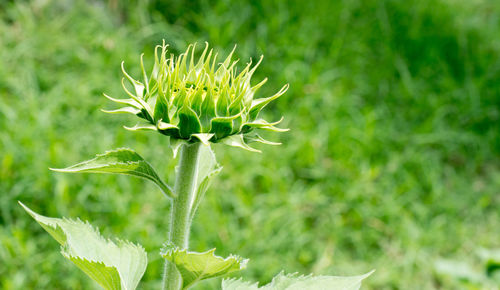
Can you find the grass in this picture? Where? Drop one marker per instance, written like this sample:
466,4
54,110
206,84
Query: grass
392,161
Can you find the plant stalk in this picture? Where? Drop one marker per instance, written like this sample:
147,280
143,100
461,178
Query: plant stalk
180,223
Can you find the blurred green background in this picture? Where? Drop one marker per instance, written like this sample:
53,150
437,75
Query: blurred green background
392,161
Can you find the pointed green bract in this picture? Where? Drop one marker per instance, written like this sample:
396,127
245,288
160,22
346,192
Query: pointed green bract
165,126
259,104
263,124
189,123
119,265
183,97
141,127
175,145
130,102
195,267
257,138
299,282
207,170
239,141
124,110
204,138
120,161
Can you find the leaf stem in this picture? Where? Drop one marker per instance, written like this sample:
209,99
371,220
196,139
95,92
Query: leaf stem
180,222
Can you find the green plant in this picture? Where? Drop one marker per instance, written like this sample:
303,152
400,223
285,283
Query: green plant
195,103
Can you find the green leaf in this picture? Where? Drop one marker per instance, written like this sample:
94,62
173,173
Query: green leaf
195,267
207,169
113,266
120,161
107,277
299,282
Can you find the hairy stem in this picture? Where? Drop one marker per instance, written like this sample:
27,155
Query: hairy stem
180,222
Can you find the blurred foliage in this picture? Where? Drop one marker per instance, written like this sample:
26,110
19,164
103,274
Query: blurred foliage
392,161
484,275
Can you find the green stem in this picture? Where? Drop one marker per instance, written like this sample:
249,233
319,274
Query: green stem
180,223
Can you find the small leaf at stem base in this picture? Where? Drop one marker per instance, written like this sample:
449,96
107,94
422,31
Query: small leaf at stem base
195,267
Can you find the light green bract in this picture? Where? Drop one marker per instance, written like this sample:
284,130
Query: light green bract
114,266
299,282
198,101
208,168
195,267
120,161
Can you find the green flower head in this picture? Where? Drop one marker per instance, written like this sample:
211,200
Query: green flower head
198,100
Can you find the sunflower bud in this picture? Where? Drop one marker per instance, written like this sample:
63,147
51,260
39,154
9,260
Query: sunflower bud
198,100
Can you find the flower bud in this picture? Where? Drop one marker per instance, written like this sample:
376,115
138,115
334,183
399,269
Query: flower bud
198,100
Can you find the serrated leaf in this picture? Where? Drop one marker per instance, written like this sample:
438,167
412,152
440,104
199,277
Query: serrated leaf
107,277
120,161
299,282
195,267
114,266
